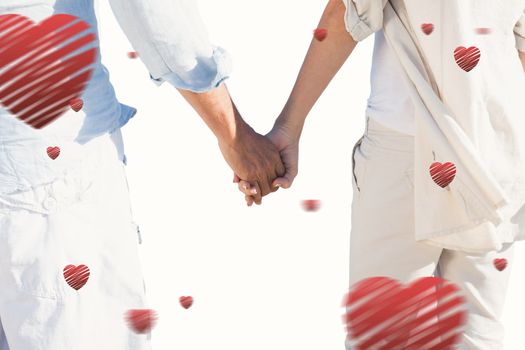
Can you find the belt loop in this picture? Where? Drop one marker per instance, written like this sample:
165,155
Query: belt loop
367,121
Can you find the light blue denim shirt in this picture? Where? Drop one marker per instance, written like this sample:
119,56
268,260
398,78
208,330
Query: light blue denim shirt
169,37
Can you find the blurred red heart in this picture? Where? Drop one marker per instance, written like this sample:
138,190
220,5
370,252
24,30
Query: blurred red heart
483,31
141,320
44,66
320,34
500,264
442,174
76,276
186,302
53,152
467,59
427,28
133,54
383,314
311,204
76,104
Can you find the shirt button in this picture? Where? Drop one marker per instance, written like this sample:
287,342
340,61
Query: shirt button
49,203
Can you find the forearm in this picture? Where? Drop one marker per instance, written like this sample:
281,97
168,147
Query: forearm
218,111
323,60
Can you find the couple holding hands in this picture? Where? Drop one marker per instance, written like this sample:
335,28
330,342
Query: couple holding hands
432,100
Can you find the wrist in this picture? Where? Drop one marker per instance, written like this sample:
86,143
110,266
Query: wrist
293,127
234,130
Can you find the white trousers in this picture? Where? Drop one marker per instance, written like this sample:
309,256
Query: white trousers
83,218
382,237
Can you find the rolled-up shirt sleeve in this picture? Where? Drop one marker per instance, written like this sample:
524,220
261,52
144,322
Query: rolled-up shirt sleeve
171,39
519,33
363,17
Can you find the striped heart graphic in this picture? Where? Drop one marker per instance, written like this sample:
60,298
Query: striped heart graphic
53,152
76,276
43,67
427,28
186,302
500,264
467,59
442,174
76,104
428,314
142,320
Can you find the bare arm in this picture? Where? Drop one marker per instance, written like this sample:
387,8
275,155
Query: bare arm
323,60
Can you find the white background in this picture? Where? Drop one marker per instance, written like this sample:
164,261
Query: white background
269,277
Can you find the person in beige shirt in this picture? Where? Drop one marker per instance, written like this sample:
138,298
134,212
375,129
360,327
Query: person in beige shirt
460,63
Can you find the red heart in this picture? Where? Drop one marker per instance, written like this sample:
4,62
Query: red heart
500,264
442,174
76,104
133,54
53,152
186,302
141,321
76,276
311,204
382,314
427,28
467,59
483,31
39,71
320,34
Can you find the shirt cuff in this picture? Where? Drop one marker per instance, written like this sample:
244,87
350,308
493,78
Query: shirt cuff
355,25
208,74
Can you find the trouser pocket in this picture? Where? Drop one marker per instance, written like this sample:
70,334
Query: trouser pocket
357,144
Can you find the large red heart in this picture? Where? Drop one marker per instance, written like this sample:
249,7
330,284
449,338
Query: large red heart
43,67
442,174
428,314
500,264
467,59
76,276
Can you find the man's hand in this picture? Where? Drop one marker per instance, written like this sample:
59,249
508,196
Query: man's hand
288,146
255,159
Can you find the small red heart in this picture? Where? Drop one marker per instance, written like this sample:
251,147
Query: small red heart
311,204
320,34
467,59
76,276
383,314
44,66
141,320
427,28
133,54
186,302
53,152
500,264
483,31
442,174
76,104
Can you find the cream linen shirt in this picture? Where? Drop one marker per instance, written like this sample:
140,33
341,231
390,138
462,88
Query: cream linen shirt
474,119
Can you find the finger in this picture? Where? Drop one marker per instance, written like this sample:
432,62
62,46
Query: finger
249,200
257,198
246,188
284,182
236,179
265,184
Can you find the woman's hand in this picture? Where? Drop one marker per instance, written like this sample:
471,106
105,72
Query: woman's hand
288,146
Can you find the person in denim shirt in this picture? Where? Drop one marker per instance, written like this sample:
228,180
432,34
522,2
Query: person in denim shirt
69,267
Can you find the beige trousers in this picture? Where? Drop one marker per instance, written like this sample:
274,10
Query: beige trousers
382,237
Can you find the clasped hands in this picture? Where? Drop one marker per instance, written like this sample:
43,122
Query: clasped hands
262,164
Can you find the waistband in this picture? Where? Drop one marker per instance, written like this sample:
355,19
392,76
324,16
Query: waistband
381,136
